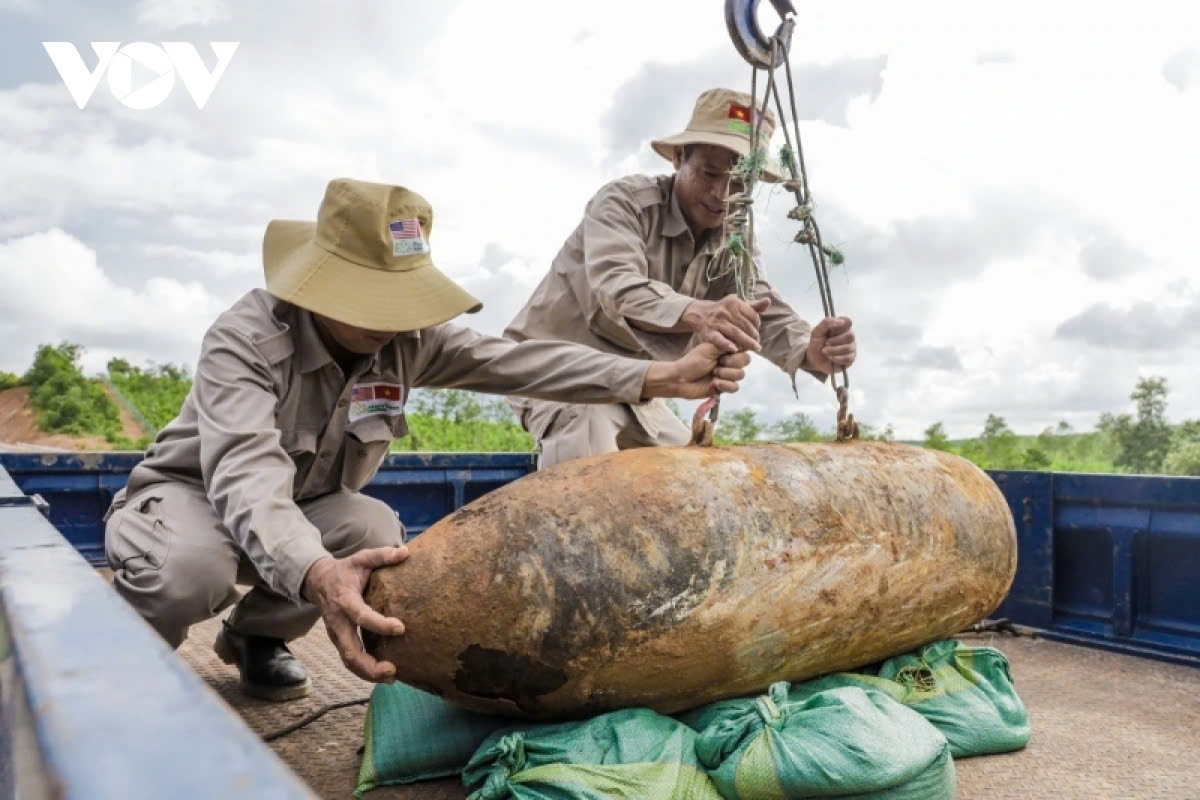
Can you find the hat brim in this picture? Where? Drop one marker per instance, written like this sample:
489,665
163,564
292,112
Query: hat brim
301,272
772,171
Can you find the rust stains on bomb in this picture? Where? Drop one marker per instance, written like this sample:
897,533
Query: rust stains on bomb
669,577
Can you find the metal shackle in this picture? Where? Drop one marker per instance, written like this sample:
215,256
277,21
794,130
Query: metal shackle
748,38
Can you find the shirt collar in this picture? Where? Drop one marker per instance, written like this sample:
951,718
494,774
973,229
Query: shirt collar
312,352
674,224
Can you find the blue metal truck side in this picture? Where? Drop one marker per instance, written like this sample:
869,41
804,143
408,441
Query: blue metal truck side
1103,560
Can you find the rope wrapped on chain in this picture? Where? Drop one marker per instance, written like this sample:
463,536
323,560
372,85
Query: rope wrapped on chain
810,233
735,254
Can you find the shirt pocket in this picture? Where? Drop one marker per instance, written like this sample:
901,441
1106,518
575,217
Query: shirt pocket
618,334
368,442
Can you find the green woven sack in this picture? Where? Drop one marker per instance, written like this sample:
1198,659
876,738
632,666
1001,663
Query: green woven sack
410,735
966,692
845,742
633,753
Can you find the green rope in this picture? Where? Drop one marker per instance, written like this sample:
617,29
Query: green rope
749,167
734,255
735,244
785,158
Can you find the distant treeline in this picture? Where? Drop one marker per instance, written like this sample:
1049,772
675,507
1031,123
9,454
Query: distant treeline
1141,441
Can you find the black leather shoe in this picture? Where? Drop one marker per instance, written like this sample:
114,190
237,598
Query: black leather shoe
269,670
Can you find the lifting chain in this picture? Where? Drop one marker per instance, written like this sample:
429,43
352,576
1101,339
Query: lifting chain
768,53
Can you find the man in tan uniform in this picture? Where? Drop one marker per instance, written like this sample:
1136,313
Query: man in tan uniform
298,393
632,279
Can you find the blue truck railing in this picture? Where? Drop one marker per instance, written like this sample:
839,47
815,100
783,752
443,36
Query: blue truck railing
1105,560
422,487
1111,561
89,690
94,703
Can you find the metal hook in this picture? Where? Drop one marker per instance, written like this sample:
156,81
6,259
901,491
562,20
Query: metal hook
748,38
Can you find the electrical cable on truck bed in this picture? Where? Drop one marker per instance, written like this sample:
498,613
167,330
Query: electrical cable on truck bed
313,717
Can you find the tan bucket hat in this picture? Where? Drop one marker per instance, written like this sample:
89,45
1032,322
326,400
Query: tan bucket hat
365,261
723,117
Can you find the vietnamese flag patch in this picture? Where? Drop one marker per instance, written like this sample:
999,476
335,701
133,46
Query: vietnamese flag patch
372,399
739,118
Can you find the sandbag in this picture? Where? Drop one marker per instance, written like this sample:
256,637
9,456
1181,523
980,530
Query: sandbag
967,693
670,577
842,742
632,753
410,735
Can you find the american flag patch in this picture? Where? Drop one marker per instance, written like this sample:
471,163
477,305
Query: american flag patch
405,229
407,238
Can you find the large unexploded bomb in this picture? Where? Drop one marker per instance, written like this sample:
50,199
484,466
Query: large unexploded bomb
673,577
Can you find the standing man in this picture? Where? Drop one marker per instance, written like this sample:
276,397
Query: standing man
298,393
632,279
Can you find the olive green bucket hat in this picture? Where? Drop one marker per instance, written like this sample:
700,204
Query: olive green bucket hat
724,117
366,260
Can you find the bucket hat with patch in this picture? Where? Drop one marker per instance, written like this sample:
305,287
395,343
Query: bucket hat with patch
366,260
724,117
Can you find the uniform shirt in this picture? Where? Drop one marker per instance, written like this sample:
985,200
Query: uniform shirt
271,419
633,257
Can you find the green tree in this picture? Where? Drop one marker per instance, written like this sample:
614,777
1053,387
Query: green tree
998,445
64,400
1035,458
798,427
1183,457
935,437
867,432
737,428
451,420
8,380
1142,442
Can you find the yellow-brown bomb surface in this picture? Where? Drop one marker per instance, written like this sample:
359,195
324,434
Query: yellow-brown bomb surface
674,577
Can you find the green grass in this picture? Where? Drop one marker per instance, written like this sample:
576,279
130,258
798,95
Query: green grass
1068,452
433,434
157,393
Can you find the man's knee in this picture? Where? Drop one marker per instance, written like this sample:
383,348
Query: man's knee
171,582
355,522
580,431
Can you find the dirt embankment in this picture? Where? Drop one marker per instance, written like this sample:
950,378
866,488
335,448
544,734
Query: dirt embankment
19,430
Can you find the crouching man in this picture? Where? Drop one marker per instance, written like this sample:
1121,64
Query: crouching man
298,393
634,278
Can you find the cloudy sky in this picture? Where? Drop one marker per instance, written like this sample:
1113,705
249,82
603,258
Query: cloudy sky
1015,188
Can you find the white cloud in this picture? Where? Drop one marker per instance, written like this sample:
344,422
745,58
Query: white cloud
170,14
54,289
1182,69
199,262
988,179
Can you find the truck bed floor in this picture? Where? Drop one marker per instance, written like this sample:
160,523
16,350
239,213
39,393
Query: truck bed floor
1104,725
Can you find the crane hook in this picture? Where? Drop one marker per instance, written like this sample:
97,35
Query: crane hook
748,38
